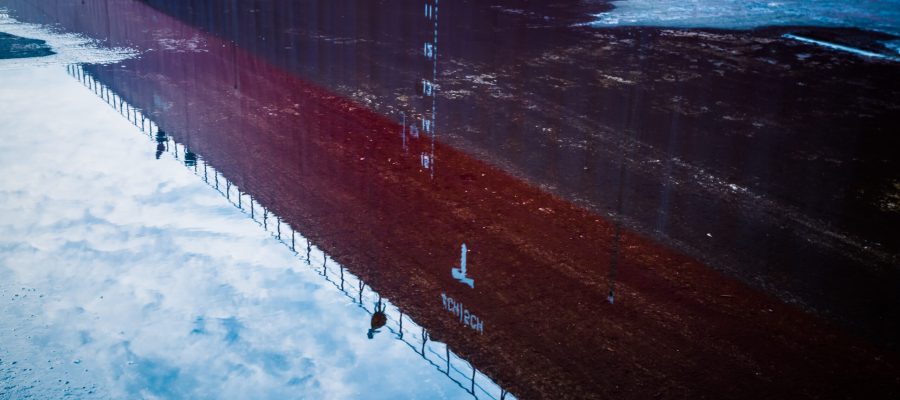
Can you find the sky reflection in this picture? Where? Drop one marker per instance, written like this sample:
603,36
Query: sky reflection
131,279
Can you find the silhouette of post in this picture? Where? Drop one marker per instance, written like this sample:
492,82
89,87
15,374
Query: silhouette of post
400,331
308,250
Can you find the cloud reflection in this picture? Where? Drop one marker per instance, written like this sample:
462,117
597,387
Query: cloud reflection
131,279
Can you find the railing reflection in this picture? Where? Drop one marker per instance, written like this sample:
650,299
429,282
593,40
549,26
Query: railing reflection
401,326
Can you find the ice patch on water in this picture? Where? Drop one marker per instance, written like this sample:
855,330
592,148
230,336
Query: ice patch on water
69,48
839,47
893,45
882,15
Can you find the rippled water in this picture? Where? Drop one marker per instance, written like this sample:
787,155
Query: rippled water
68,47
881,15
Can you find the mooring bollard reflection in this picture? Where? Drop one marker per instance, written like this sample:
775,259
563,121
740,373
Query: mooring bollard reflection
685,209
379,319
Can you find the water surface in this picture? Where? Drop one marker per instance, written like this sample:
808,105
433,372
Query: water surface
544,209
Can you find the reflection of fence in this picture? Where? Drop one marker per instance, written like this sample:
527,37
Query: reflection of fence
401,326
